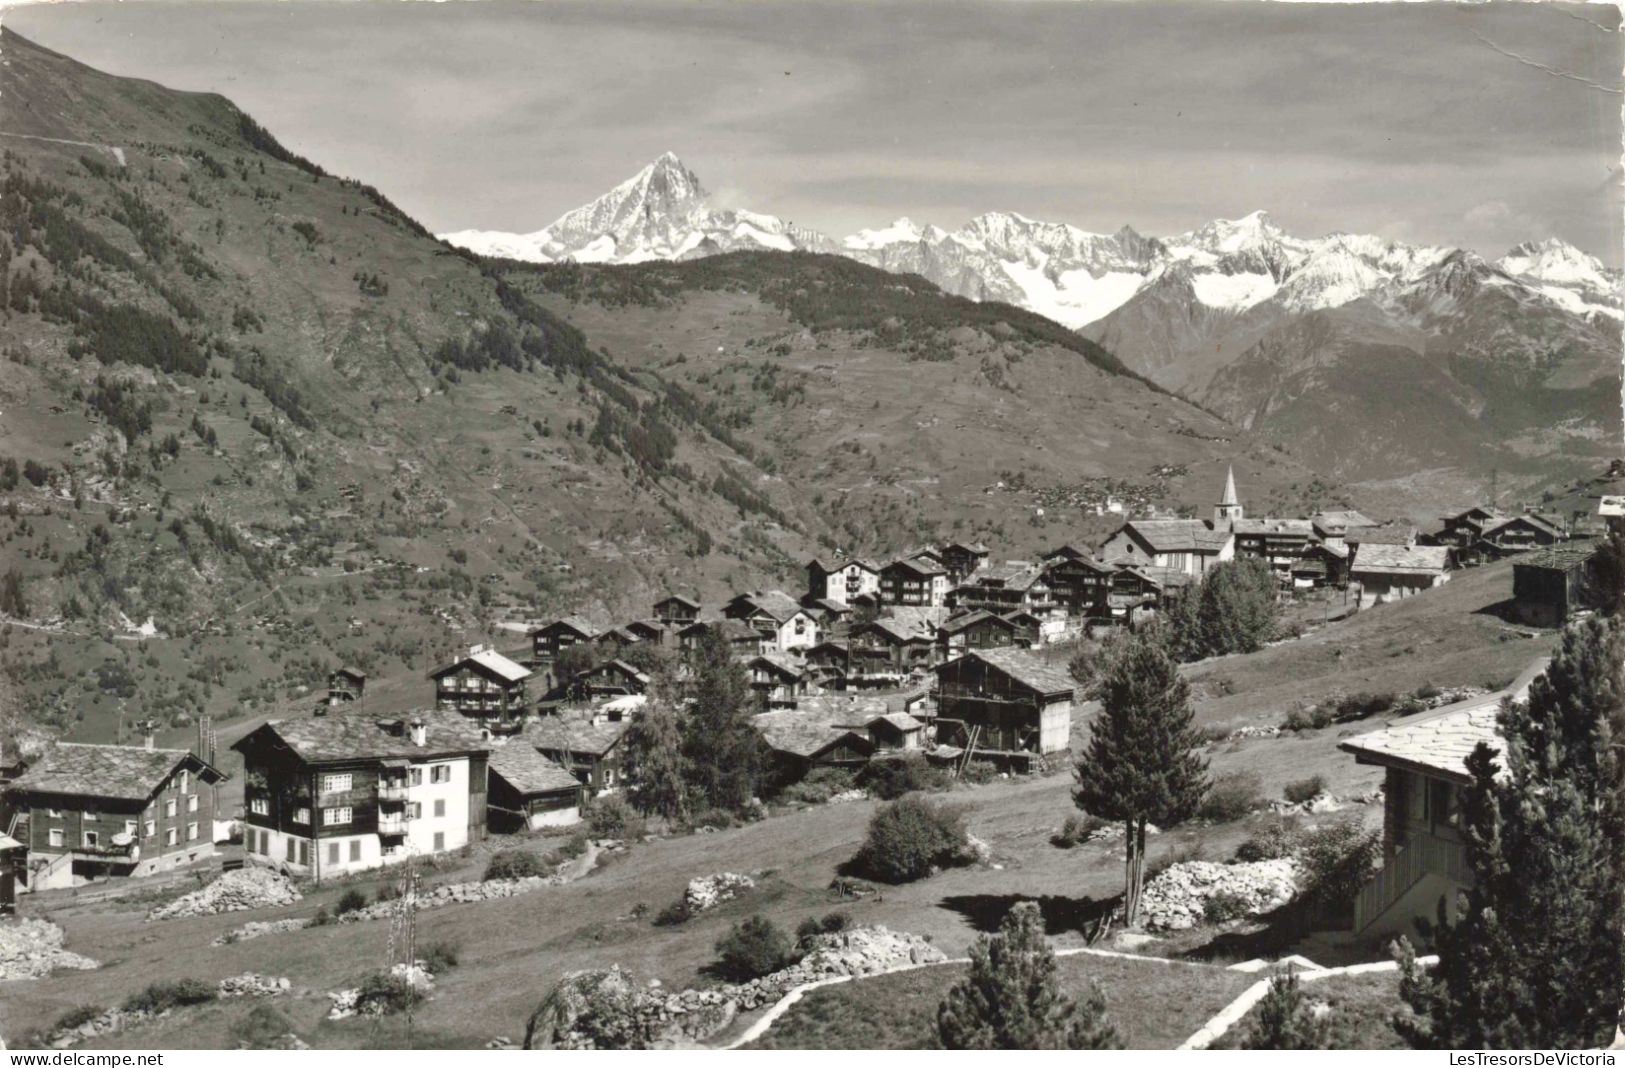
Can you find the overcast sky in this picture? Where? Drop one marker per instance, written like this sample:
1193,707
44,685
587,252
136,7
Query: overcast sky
1480,126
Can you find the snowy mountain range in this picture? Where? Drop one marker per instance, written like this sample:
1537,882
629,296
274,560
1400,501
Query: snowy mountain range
1060,271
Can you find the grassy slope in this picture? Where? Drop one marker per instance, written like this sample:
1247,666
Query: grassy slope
1154,1006
512,949
1362,1007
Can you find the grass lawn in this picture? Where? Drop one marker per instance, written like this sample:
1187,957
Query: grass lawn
1158,1005
1362,1012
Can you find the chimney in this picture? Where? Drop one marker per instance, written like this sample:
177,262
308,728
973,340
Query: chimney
420,731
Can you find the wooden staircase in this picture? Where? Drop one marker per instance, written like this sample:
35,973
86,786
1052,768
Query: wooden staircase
1423,856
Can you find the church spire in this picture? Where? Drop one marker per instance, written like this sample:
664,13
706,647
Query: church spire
1229,486
1229,507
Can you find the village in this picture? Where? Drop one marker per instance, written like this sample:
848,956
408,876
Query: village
940,660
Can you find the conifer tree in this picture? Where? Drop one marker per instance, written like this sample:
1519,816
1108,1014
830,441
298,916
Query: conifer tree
1286,1019
1232,610
722,750
1537,958
1142,764
655,745
1012,1000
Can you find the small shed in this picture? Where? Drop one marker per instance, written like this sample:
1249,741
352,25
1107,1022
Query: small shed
1550,586
527,790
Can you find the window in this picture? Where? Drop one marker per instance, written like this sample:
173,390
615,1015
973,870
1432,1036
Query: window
332,784
355,849
415,776
259,806
291,853
150,829
440,773
169,807
304,853
335,817
171,836
332,852
414,811
56,837
191,832
185,780
91,839
301,815
440,807
191,802
54,813
609,776
439,841
90,815
129,828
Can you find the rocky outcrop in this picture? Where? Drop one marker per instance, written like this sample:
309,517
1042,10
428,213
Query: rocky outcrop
347,1003
258,929
1177,898
712,890
587,1005
32,949
235,891
254,985
1314,806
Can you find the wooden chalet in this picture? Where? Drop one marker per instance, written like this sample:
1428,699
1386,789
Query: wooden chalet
976,629
962,559
841,580
827,664
778,616
884,652
345,684
779,680
613,678
86,812
549,641
1517,534
585,742
742,639
1392,572
813,735
653,631
1322,564
1003,704
528,791
1550,586
1007,587
916,581
330,795
484,686
677,611
1078,581
1281,543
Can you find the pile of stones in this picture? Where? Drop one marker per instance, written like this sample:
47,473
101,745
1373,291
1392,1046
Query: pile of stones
32,949
254,985
712,890
1321,802
258,929
1176,900
347,1003
235,891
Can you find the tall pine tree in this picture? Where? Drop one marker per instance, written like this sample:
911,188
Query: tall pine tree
1537,958
1012,1000
655,745
1142,764
722,750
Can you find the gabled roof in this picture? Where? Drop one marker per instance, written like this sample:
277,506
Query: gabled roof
620,667
899,720
1340,520
730,630
1021,666
1383,559
651,626
971,619
350,672
974,548
119,772
351,736
1178,535
1528,518
776,604
893,628
566,734
572,623
831,567
620,634
785,665
919,566
843,708
920,619
1396,533
490,662
687,602
1007,576
810,728
520,765
824,604
1069,550
1297,528
1439,741
1557,557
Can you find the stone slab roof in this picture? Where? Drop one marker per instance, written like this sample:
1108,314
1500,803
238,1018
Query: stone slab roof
1385,559
356,736
565,734
124,772
1025,669
524,768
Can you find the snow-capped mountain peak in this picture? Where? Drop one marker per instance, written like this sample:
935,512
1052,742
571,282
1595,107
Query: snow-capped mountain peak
902,230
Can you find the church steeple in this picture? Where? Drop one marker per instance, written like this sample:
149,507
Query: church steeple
1229,507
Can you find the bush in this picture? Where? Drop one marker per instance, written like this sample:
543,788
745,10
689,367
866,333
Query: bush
1224,906
262,1027
1232,796
386,892
170,994
515,864
813,926
891,779
1277,839
383,993
1077,829
76,1017
909,837
752,949
322,917
1307,719
1304,789
718,819
352,900
978,773
440,957
573,847
1337,861
675,914
612,817
817,787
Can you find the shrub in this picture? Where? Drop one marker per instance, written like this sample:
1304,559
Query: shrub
170,994
515,864
352,900
675,914
1307,719
322,917
574,846
1304,789
909,837
76,1017
382,993
978,773
1224,906
753,949
716,818
817,787
1275,840
612,817
891,779
813,926
440,957
262,1027
1077,829
387,892
1285,1018
1231,797
1337,862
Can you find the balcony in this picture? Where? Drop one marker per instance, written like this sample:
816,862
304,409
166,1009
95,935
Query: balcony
392,823
392,791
